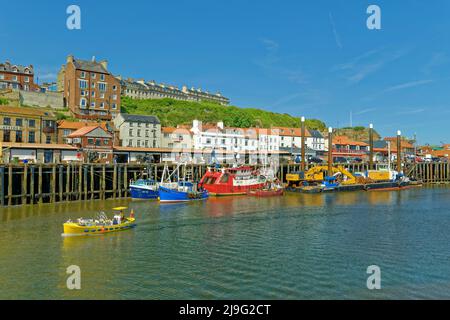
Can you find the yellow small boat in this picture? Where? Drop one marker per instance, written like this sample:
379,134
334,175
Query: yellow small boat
101,224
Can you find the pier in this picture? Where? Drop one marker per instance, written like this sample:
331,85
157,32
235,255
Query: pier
40,183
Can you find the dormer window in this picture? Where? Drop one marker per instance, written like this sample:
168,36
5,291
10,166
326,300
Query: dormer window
83,74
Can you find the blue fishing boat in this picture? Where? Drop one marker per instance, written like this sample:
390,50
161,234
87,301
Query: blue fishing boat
144,189
181,190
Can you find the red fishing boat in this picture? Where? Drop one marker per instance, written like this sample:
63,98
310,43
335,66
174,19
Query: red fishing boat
232,181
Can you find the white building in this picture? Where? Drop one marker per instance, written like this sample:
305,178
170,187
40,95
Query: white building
222,138
138,130
176,138
291,138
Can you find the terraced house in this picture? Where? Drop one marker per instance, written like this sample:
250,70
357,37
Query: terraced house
18,77
141,89
91,92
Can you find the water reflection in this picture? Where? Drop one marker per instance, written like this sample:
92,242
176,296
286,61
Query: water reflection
295,246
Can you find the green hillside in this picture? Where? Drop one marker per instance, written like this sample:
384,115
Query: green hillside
173,112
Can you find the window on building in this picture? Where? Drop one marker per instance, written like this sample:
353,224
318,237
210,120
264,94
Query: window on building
7,121
83,84
93,75
102,96
102,77
114,106
91,141
83,74
6,136
114,96
105,142
32,123
83,103
139,133
93,85
102,87
48,139
31,137
114,87
19,137
66,132
93,94
92,104
14,78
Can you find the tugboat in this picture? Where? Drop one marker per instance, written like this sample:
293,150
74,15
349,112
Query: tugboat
181,190
101,224
232,181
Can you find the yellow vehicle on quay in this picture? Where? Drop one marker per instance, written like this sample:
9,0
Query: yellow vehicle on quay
101,224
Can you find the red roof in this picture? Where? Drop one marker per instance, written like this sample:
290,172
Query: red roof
83,131
344,140
75,125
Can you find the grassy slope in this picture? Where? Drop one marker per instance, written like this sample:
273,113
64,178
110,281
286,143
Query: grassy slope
173,112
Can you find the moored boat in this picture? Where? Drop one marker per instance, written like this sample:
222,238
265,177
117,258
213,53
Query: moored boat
100,225
183,192
144,189
266,192
232,181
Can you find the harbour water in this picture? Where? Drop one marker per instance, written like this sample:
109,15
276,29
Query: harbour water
300,246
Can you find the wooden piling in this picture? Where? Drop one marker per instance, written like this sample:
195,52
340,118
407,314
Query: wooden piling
68,183
32,191
25,184
115,181
10,179
85,181
92,182
2,186
53,185
40,197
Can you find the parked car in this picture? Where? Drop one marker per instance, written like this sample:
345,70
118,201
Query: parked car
340,160
315,160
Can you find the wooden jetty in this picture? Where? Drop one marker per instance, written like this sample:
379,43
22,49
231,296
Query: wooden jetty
22,184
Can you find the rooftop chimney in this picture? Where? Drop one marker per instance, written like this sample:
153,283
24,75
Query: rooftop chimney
104,63
70,58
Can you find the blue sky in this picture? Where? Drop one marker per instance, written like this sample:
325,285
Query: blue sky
312,58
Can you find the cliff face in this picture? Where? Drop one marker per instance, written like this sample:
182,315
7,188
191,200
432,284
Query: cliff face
357,133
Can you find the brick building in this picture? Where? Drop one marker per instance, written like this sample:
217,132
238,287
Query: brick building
66,128
91,92
95,142
17,77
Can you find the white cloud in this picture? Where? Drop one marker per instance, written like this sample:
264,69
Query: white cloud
335,33
407,85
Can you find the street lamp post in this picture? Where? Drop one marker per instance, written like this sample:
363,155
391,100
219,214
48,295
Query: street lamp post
399,151
370,146
303,144
330,151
